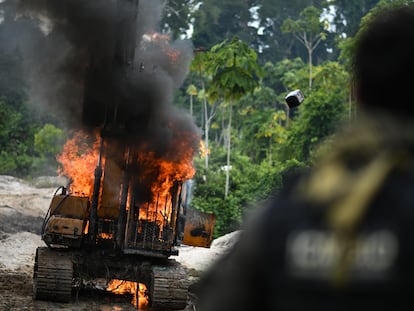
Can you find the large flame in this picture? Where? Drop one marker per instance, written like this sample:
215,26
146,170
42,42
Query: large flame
170,169
158,173
78,159
137,290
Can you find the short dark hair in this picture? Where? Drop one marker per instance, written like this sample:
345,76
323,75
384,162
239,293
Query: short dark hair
384,61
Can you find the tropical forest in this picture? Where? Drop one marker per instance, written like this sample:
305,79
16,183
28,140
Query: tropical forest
247,56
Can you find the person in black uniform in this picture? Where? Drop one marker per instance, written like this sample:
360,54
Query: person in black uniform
341,235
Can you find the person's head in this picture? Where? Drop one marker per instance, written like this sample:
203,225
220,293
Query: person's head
384,62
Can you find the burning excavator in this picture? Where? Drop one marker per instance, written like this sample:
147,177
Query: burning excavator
126,208
114,230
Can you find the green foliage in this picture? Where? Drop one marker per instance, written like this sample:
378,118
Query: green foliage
234,69
15,143
231,84
12,86
309,30
321,113
21,154
348,46
249,183
274,128
283,74
258,23
267,144
273,13
177,15
260,125
192,90
382,5
268,140
309,22
350,11
216,20
49,140
15,164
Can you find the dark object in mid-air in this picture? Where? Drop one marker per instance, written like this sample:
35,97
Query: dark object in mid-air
294,98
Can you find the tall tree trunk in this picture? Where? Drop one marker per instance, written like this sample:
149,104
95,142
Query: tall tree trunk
310,66
226,190
206,126
191,105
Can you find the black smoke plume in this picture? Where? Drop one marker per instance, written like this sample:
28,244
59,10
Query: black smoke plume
98,63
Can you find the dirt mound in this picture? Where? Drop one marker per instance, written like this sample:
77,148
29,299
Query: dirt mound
17,252
198,259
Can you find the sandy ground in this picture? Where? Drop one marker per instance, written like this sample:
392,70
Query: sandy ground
22,208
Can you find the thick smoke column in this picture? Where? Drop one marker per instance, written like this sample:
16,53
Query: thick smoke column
94,63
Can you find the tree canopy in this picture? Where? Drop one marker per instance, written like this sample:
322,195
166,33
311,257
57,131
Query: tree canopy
247,56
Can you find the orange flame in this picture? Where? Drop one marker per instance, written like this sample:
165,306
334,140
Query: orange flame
163,41
168,171
137,290
105,236
78,161
173,54
80,155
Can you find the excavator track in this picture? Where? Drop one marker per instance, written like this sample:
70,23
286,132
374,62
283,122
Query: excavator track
52,275
169,288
